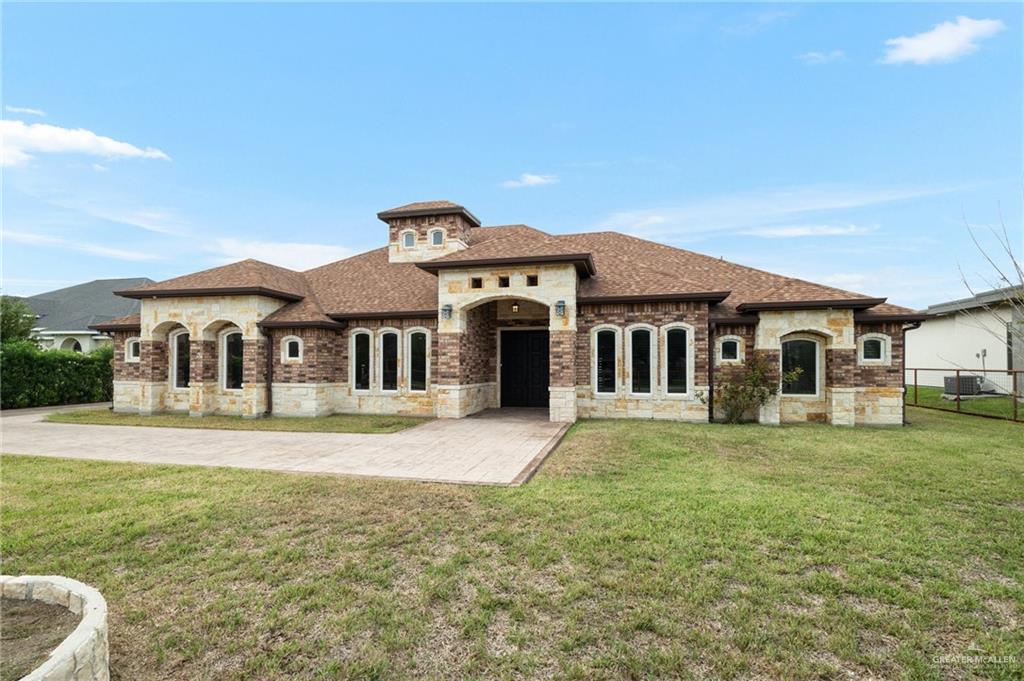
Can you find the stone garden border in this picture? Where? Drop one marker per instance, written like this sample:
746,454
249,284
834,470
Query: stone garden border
84,654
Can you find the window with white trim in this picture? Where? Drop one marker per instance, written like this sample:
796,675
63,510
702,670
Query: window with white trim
676,360
132,350
641,360
803,354
605,348
389,360
291,350
408,239
874,349
181,356
437,237
730,350
418,358
362,362
231,353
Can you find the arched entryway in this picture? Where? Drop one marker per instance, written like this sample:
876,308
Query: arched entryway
71,344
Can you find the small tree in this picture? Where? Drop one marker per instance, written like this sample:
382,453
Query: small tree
752,389
16,319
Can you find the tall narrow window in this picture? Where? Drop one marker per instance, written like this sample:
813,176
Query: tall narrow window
605,368
389,361
182,355
437,237
409,240
418,361
675,358
233,361
802,354
361,365
640,372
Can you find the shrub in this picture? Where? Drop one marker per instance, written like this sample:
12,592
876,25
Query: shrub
30,377
751,390
16,319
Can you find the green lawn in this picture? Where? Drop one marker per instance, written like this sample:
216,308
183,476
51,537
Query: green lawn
335,423
640,550
992,406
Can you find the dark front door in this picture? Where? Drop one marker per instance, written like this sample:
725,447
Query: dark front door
524,369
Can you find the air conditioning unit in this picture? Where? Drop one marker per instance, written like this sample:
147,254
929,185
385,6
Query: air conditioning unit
969,385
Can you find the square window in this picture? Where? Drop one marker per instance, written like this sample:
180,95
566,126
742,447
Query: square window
503,282
730,350
476,282
873,349
531,279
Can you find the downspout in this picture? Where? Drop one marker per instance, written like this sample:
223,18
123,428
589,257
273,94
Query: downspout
903,365
270,370
712,327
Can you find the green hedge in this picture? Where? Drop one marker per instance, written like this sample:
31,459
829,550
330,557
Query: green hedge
30,377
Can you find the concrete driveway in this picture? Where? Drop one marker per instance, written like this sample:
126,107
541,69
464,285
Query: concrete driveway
497,447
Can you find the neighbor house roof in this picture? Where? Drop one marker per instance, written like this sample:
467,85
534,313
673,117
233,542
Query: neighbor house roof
78,308
614,267
993,297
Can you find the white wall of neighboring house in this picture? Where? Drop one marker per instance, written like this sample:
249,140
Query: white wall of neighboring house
955,341
65,340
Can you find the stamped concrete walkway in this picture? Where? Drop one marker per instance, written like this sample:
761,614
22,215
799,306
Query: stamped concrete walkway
499,447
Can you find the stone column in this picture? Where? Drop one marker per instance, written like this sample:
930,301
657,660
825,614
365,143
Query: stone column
153,373
562,372
451,398
841,391
202,379
770,413
254,377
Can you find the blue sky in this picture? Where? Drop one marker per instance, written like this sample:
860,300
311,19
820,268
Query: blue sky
840,143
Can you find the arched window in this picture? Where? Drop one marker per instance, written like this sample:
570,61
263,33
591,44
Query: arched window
231,360
132,350
76,346
874,349
361,360
730,350
802,354
437,237
675,361
181,355
408,239
389,360
641,360
605,344
291,349
418,358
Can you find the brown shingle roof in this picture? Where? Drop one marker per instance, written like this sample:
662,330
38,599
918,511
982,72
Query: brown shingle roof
131,322
428,208
244,277
368,283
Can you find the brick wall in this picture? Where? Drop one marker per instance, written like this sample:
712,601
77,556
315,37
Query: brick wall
125,371
725,373
374,325
202,367
324,357
656,314
562,353
882,376
254,360
153,361
455,226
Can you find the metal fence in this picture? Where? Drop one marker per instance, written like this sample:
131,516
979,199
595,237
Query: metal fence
991,393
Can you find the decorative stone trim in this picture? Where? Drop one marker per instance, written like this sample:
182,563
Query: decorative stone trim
84,654
740,350
885,339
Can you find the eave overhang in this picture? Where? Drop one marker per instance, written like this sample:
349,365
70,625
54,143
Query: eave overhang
838,303
583,262
386,215
222,291
712,297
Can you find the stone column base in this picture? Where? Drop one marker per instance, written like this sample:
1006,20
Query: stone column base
458,401
254,400
842,406
151,397
562,405
770,413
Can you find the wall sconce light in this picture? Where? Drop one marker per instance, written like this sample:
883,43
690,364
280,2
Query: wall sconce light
446,312
560,308
515,307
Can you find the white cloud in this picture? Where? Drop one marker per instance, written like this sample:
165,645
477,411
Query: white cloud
147,219
757,22
817,58
530,180
947,42
92,249
296,256
20,141
100,168
792,231
756,209
24,110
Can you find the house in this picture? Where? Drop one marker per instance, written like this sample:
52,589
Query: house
450,318
65,317
981,332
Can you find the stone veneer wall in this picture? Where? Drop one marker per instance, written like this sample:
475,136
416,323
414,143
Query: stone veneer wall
84,654
659,405
880,391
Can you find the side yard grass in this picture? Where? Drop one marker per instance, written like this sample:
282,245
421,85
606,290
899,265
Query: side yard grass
1001,406
335,423
640,550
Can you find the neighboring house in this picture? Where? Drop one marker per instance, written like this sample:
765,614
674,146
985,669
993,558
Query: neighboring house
65,318
969,334
451,318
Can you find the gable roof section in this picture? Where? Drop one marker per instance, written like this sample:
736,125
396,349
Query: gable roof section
77,308
131,322
508,245
246,277
368,284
